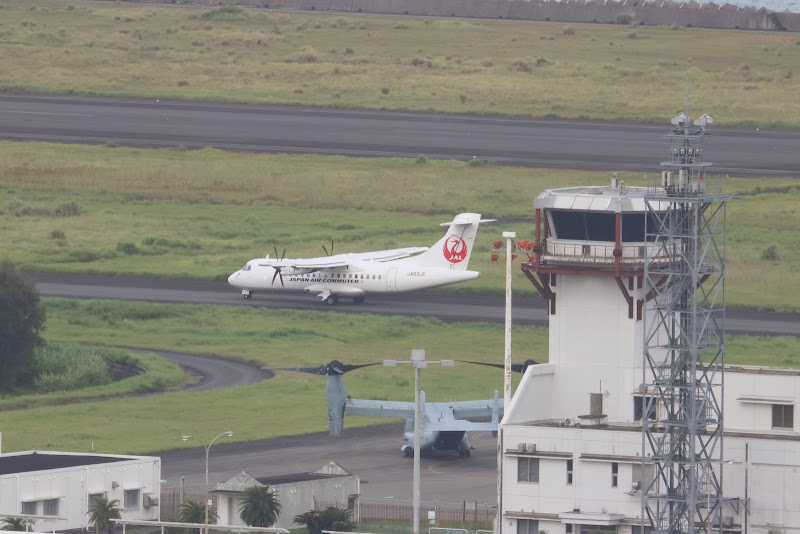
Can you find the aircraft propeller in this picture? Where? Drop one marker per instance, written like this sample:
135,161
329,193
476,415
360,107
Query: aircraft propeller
278,269
326,250
516,367
334,368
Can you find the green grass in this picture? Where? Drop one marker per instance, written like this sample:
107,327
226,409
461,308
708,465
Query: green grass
463,66
66,369
289,403
202,214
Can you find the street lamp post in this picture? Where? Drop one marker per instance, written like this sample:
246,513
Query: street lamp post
208,450
419,362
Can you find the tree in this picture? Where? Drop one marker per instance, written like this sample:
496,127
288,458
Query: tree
191,511
331,518
102,512
20,524
21,320
260,506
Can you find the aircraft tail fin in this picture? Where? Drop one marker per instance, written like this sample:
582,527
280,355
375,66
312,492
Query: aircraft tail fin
454,249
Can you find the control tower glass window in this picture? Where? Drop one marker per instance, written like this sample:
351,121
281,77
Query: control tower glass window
599,226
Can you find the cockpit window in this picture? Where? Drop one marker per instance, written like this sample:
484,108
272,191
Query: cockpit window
246,267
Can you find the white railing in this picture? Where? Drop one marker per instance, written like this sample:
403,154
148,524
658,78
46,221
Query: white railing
601,253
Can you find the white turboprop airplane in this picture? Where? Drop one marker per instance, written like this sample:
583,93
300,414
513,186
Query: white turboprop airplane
357,275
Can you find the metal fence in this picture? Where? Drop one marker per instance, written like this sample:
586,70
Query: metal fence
172,497
394,511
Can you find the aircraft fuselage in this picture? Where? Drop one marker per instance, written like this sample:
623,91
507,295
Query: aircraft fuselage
355,280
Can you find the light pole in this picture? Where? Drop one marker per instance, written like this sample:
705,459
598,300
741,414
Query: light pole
510,236
208,450
419,362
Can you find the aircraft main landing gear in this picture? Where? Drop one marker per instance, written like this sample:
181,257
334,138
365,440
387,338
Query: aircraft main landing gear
332,300
409,452
246,293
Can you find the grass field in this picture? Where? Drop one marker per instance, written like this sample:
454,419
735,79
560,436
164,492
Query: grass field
202,214
289,403
610,72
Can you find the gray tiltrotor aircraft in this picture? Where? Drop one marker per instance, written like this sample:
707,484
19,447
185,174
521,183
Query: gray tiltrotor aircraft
444,425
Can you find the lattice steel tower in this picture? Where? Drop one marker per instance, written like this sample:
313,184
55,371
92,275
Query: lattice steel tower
684,343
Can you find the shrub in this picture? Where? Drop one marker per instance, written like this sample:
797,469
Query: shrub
226,13
463,98
399,26
348,51
520,65
770,253
305,55
385,90
421,160
182,83
568,30
57,234
68,209
421,62
126,247
18,208
110,144
486,62
84,256
474,162
624,18
541,62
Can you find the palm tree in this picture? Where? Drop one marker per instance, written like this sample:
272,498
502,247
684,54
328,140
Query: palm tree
260,507
191,511
338,519
102,512
331,518
20,524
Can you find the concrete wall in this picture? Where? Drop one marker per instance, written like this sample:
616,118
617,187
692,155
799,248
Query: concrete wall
72,486
646,12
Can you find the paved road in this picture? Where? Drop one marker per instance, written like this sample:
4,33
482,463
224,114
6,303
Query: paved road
214,373
449,308
371,453
258,128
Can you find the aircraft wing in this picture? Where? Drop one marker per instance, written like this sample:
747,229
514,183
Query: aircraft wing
343,260
388,255
476,408
377,408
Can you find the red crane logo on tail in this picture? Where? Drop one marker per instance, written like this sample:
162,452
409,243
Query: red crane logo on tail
455,249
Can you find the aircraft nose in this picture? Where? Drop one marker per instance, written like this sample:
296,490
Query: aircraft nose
232,278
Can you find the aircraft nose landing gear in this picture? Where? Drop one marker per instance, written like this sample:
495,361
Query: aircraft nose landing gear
246,293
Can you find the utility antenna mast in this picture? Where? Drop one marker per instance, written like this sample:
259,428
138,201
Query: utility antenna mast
684,344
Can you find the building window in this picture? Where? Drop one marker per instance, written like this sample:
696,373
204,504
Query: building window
50,507
782,416
132,499
527,526
568,528
527,470
638,408
29,508
569,472
614,474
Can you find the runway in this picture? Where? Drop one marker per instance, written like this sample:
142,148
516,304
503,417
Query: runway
448,308
258,128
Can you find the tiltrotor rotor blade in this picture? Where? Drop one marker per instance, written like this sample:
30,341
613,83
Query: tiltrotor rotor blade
516,367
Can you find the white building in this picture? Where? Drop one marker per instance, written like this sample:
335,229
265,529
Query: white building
572,435
298,493
62,486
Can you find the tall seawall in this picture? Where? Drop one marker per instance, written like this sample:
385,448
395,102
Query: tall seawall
641,12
